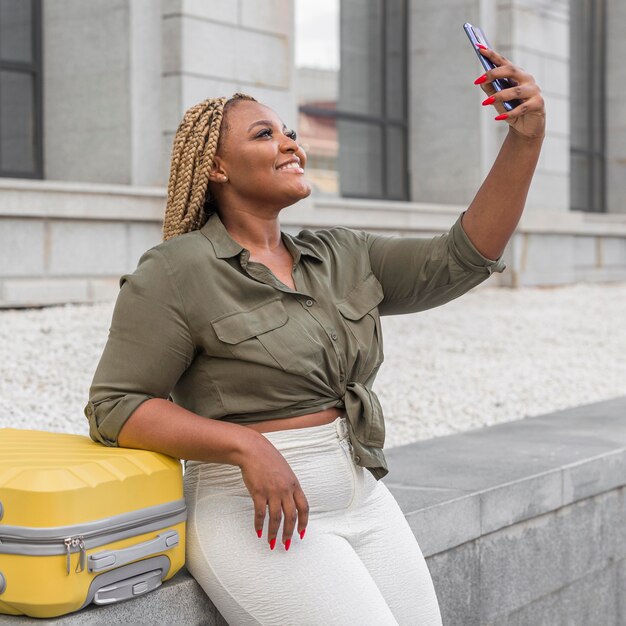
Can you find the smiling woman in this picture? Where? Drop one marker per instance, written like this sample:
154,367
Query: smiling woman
267,345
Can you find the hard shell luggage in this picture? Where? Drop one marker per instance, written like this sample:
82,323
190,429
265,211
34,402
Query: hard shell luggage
81,522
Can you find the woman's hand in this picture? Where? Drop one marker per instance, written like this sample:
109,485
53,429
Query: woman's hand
271,482
527,119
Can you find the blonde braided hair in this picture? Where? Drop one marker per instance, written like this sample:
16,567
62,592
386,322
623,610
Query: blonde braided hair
188,199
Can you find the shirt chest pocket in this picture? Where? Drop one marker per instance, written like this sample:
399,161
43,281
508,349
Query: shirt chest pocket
266,335
359,311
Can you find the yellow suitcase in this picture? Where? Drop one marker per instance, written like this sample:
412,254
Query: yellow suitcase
82,523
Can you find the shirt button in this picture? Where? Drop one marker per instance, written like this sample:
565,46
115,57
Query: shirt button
309,303
334,336
357,458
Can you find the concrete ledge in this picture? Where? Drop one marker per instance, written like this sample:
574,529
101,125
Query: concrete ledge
501,475
523,523
520,522
419,216
21,198
108,227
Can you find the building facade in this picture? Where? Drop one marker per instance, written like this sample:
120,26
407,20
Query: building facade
91,95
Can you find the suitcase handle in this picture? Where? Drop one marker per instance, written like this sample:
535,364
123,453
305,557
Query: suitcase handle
108,559
128,588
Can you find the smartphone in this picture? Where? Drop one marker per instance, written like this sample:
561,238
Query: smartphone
476,35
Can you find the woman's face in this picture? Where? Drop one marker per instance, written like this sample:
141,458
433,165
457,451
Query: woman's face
259,155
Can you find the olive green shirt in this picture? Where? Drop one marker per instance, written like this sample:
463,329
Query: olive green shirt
199,323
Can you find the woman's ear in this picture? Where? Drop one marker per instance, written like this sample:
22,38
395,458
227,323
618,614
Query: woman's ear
217,173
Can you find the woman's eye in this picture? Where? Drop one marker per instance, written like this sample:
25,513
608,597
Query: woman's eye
267,132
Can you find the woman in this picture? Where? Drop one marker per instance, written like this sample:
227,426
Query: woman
277,339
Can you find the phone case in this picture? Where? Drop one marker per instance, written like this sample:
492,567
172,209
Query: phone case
476,35
81,522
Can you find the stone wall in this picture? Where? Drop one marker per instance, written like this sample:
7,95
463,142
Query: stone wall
520,523
69,242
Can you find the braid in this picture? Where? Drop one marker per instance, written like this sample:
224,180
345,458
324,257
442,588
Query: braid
193,151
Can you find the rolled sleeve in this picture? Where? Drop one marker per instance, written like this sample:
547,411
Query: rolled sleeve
418,273
466,253
148,348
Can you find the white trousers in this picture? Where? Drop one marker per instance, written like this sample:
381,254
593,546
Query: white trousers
359,562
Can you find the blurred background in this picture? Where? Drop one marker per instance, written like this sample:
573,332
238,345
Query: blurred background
382,95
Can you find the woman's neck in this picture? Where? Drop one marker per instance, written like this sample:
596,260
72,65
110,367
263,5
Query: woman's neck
259,233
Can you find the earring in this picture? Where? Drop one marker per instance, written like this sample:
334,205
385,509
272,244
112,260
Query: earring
224,178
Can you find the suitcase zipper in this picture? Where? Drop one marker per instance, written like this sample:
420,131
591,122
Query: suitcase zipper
79,541
73,542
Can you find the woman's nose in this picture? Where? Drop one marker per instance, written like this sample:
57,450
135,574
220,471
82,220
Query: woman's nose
289,145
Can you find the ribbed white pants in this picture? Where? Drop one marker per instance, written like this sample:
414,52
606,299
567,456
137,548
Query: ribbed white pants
359,562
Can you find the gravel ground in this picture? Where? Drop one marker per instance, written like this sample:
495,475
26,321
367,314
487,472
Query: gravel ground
494,355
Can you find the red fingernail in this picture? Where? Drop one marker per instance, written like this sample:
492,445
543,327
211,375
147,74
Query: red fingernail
302,533
501,117
481,79
480,45
272,543
259,533
489,100
287,544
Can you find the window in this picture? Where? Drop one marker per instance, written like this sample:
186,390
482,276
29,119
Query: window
20,89
352,76
588,101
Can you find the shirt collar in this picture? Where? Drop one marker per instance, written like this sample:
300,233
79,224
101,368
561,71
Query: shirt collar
225,246
298,247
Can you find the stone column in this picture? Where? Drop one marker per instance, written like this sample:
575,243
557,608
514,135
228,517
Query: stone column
145,70
101,64
445,143
616,107
535,35
360,91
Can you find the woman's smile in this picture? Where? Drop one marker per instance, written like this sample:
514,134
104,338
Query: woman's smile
292,166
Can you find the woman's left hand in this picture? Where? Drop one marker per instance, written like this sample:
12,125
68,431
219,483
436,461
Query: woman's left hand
527,119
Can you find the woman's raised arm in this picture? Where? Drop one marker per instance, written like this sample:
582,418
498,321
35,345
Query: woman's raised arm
494,213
